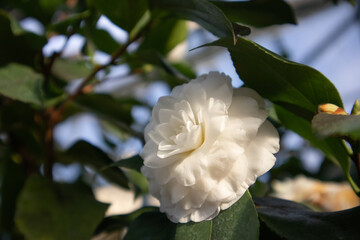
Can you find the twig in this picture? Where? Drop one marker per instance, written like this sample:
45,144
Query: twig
120,51
46,68
49,151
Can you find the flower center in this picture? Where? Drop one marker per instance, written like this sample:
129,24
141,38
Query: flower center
182,132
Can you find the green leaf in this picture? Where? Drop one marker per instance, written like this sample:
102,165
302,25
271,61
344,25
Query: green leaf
151,226
70,69
356,108
202,12
133,173
257,13
297,87
71,23
325,125
240,221
134,163
164,35
92,156
124,13
334,149
12,178
41,10
108,107
17,45
21,83
258,189
104,41
294,221
118,222
48,210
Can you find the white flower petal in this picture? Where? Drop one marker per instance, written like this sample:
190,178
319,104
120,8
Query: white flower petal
208,211
248,92
268,137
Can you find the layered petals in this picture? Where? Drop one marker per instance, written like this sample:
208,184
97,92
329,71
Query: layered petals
205,145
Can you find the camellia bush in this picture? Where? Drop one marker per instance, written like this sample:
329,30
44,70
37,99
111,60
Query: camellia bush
206,143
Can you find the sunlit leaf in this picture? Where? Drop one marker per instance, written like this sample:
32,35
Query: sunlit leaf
48,210
21,83
257,13
326,125
240,221
294,221
297,87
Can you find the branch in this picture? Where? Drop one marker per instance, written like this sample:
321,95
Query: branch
120,51
46,68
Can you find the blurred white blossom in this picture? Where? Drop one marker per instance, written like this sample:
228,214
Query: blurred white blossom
327,196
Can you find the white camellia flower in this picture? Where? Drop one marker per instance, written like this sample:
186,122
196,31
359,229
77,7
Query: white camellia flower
205,145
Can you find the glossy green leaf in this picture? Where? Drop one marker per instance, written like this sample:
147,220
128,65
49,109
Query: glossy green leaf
108,107
294,221
92,156
240,221
326,125
48,210
151,226
70,69
21,83
202,12
165,35
257,13
334,149
124,13
118,222
298,87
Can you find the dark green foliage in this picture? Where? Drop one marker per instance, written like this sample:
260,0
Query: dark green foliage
92,156
294,221
47,210
257,13
151,226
